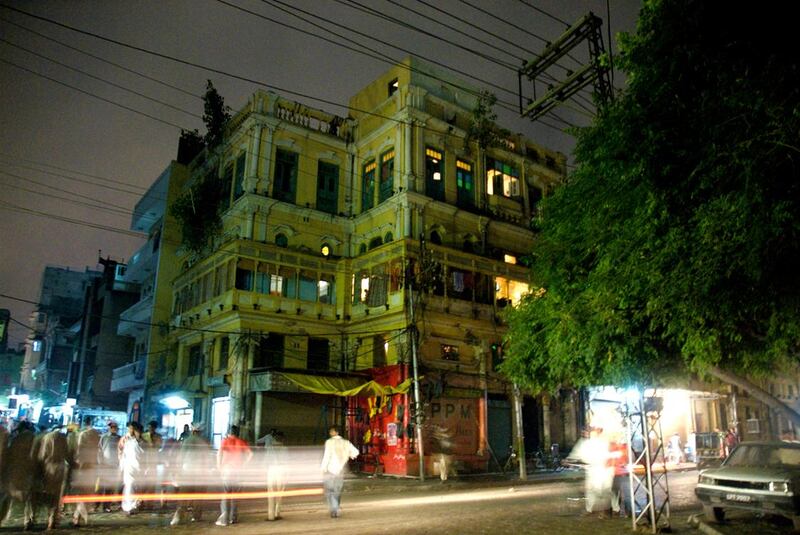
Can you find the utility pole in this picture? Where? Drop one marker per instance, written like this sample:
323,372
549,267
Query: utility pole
595,72
417,401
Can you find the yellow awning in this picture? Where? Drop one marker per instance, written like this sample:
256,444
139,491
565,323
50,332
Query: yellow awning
345,386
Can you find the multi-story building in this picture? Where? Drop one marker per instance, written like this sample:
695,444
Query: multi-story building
48,348
341,238
152,269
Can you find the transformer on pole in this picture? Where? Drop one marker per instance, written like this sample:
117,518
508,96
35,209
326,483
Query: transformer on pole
595,72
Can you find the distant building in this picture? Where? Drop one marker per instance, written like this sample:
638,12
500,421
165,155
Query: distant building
48,347
98,349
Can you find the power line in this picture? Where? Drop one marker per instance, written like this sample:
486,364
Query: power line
32,181
92,76
73,201
215,70
109,101
545,13
99,58
353,4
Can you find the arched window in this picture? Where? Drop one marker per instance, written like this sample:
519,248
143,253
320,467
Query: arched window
375,242
326,250
281,240
388,237
362,248
469,246
436,239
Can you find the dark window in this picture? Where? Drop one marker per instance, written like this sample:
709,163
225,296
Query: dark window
224,352
308,286
460,284
362,248
156,240
388,238
393,87
281,240
269,352
318,354
449,352
434,174
227,182
465,184
375,242
285,186
238,187
244,275
387,176
195,360
368,186
535,197
378,351
327,187
436,238
497,355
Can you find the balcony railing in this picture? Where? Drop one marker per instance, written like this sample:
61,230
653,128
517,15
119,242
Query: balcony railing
135,318
128,377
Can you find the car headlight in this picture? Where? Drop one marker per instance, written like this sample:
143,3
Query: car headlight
778,486
706,480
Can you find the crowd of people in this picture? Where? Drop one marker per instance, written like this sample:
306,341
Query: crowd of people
79,470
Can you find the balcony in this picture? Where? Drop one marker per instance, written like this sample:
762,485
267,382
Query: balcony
128,377
134,320
505,208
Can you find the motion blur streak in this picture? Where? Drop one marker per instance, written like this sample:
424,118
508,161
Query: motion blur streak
194,496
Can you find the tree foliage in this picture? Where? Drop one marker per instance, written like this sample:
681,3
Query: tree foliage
215,115
482,128
673,246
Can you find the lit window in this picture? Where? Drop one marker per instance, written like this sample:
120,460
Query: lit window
450,352
501,179
510,259
37,345
326,250
364,288
509,291
326,288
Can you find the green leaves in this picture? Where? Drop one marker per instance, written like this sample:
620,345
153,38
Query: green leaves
672,244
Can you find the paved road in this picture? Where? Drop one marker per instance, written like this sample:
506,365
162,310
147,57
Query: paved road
458,508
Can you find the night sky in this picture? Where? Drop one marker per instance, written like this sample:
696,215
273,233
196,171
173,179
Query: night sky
72,166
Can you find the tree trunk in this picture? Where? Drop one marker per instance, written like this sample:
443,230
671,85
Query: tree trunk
756,392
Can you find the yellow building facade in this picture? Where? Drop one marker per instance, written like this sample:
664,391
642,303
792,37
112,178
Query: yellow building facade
307,293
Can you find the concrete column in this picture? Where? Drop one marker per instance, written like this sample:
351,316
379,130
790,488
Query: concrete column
546,439
523,184
408,174
265,161
257,415
251,177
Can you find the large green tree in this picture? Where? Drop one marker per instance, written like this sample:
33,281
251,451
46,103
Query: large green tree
674,246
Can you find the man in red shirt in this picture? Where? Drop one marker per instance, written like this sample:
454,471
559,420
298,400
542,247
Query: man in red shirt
233,454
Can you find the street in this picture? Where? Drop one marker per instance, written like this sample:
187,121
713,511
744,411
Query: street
458,507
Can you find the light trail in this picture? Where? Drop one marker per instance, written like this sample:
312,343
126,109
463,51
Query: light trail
190,496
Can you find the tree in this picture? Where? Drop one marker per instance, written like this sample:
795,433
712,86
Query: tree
482,128
215,115
674,245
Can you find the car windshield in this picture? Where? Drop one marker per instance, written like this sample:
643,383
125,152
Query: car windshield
763,455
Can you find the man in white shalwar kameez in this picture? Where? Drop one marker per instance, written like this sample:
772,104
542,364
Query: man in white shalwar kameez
130,463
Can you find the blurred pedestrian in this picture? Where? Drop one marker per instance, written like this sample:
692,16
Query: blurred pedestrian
443,448
152,442
275,455
84,477
233,455
186,433
731,440
594,453
18,471
193,475
52,455
108,462
131,466
338,451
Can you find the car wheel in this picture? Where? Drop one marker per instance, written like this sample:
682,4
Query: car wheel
717,514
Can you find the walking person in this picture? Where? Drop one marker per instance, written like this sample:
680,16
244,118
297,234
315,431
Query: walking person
275,455
338,451
195,466
233,455
131,460
443,448
85,475
108,462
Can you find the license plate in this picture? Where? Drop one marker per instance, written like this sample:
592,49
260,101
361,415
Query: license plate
738,498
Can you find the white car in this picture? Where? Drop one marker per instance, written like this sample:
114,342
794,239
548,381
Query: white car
762,477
